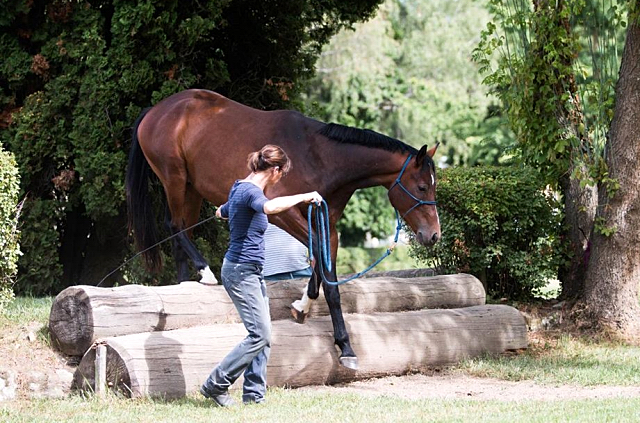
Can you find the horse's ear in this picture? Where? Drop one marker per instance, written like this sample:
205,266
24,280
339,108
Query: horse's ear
432,151
424,152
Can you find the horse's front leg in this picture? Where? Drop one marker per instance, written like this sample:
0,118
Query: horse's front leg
300,311
300,308
348,357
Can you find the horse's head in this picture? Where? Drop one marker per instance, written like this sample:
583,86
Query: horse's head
413,194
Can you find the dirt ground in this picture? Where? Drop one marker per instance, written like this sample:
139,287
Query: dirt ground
455,386
29,368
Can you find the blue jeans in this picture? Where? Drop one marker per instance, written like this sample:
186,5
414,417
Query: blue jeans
290,275
245,285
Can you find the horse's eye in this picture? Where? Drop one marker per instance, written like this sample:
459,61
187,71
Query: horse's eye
422,188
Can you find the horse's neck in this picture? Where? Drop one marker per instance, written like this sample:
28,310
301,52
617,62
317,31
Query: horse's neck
364,167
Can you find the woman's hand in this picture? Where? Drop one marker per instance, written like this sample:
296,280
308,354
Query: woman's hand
219,214
280,204
313,197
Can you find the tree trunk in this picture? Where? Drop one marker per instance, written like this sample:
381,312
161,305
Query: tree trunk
579,211
579,202
610,301
174,363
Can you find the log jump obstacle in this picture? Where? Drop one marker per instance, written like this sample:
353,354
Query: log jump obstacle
82,314
173,363
144,357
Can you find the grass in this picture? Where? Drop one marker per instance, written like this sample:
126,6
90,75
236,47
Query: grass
297,405
551,360
27,309
564,360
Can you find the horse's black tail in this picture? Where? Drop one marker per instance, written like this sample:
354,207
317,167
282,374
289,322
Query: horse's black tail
142,220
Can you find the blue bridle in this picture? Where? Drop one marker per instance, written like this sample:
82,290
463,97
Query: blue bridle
322,225
418,201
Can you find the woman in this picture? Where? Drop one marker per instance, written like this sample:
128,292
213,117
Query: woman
247,209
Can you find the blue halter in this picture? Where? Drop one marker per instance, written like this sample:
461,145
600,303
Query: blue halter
322,226
418,201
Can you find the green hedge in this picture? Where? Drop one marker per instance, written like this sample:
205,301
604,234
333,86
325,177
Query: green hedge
499,224
9,248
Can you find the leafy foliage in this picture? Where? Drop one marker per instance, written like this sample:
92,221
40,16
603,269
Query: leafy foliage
9,234
499,225
76,74
554,67
408,74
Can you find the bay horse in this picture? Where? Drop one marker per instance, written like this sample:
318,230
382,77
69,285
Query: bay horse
197,143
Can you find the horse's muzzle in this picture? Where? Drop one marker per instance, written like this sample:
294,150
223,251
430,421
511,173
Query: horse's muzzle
426,239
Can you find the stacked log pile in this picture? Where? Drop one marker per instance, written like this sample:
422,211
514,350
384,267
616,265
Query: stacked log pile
164,341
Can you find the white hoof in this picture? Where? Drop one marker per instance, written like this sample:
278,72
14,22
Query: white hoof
207,277
302,305
297,304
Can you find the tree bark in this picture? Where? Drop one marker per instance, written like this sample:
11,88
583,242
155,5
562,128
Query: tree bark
172,364
610,300
579,211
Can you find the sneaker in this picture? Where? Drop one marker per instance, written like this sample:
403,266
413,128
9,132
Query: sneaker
222,400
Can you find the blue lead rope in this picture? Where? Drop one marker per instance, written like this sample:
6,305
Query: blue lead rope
324,240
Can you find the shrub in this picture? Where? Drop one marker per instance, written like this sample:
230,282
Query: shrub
9,248
499,224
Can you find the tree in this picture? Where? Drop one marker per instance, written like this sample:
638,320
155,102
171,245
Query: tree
610,299
76,74
559,104
407,73
589,142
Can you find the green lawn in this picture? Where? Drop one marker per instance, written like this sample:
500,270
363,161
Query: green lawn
304,406
564,360
551,360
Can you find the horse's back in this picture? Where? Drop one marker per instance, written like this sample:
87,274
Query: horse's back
210,137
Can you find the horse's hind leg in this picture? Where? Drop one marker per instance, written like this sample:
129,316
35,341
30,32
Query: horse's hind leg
193,204
184,205
179,255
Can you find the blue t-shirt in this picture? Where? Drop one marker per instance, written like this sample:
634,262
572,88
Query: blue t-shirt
247,223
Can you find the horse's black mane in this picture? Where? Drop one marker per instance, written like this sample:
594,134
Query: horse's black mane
364,137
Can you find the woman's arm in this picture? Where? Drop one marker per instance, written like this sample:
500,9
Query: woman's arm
280,204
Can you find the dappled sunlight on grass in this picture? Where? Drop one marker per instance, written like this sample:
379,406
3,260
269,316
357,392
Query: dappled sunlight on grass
27,309
565,360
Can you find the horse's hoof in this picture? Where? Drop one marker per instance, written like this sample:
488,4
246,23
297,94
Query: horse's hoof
349,362
298,316
208,278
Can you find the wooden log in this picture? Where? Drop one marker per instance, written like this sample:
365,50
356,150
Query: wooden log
82,314
402,273
173,363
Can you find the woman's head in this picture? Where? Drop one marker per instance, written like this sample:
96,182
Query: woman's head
269,157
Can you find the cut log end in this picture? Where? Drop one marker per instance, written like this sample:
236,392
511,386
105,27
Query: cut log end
117,375
71,322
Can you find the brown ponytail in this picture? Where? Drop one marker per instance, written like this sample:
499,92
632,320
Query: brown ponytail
268,157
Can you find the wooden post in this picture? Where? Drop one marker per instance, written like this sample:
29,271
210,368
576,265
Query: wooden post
101,369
